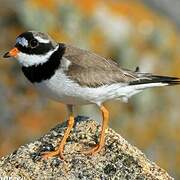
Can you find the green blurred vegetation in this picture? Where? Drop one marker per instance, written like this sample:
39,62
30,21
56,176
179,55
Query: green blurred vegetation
126,31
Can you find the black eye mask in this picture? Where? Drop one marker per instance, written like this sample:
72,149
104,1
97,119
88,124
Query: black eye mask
41,49
26,43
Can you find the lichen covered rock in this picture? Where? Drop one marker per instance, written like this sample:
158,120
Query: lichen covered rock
117,160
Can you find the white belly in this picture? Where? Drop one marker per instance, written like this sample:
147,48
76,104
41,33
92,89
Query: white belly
61,88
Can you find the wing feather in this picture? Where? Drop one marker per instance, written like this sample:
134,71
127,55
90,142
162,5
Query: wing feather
89,69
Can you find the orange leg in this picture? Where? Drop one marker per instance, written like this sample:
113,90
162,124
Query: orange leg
59,151
99,146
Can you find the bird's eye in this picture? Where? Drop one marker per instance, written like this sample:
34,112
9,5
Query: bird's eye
34,43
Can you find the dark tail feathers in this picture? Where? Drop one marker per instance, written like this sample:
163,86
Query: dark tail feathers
147,78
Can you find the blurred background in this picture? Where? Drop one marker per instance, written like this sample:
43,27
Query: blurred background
134,33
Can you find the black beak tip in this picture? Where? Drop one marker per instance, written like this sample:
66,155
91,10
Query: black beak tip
6,55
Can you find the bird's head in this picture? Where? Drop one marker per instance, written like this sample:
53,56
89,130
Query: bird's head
32,48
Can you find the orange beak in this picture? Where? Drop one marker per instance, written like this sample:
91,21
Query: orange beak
12,53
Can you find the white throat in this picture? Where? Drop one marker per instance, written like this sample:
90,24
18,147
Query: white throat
30,60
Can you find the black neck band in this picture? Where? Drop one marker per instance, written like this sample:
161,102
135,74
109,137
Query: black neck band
38,73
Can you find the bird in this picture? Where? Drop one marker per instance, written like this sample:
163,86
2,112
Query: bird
74,76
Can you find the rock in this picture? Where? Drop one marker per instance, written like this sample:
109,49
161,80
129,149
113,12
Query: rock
117,160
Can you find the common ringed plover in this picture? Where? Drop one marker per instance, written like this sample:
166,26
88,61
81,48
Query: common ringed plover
75,76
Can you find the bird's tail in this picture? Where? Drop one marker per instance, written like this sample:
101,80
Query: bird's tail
144,81
149,80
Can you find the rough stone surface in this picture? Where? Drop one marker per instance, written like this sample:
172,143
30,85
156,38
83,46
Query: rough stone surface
117,160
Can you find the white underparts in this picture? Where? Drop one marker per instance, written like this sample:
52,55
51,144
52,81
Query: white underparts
61,88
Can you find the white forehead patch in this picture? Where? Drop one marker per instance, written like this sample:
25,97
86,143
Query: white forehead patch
41,40
22,41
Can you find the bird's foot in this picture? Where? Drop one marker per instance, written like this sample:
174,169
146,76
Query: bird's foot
93,151
58,152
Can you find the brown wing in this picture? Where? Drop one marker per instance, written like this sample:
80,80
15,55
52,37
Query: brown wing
89,69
